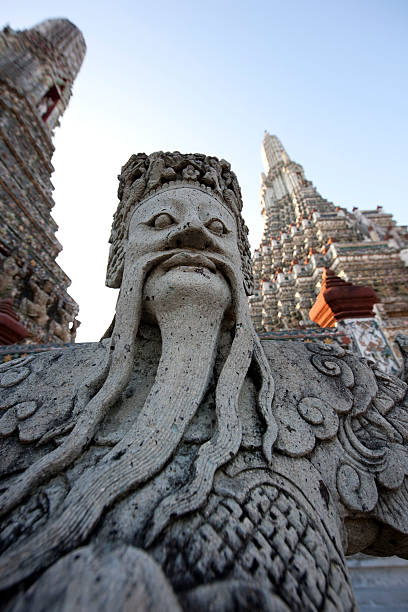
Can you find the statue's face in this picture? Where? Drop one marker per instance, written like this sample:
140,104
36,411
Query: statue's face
183,218
197,232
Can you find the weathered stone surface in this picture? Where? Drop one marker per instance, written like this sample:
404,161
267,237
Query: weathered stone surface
122,578
179,463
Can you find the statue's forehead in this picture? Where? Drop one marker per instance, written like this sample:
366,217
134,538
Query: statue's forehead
182,198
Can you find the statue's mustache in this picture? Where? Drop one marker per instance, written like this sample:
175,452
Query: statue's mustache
188,258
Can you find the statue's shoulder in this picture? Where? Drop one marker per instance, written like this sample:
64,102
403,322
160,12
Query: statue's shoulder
37,392
351,420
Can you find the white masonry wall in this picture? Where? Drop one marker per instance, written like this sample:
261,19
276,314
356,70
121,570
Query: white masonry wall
380,583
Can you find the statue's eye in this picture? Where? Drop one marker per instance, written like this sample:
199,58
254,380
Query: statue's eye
163,220
217,227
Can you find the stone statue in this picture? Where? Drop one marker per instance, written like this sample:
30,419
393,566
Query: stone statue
42,297
73,330
179,464
62,329
7,278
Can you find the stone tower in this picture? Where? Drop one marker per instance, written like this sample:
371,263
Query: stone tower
37,69
304,233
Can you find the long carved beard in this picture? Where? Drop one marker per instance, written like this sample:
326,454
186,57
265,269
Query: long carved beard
226,440
154,437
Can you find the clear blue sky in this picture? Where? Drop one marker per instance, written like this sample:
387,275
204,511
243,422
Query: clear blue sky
329,78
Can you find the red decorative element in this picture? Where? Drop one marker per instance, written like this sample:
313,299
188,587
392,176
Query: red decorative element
49,102
339,300
11,331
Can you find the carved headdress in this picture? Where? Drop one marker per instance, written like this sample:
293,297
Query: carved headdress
144,175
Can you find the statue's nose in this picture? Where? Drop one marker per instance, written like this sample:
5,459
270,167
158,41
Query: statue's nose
190,234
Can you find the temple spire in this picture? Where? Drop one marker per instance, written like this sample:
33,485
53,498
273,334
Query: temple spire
303,233
42,63
273,152
38,67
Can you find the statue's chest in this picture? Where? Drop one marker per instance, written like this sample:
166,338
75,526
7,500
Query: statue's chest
259,533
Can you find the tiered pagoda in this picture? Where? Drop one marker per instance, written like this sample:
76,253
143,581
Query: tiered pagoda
37,69
304,233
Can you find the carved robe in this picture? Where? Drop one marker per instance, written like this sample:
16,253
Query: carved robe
268,536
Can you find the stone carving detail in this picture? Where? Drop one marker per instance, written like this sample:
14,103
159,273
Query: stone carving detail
251,535
143,175
7,278
181,456
371,433
356,488
73,330
301,426
14,377
11,421
14,372
325,359
42,298
48,317
61,329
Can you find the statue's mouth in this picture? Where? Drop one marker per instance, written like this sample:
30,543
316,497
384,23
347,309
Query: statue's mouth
185,259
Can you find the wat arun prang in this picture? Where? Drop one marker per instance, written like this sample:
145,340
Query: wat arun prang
38,67
304,233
